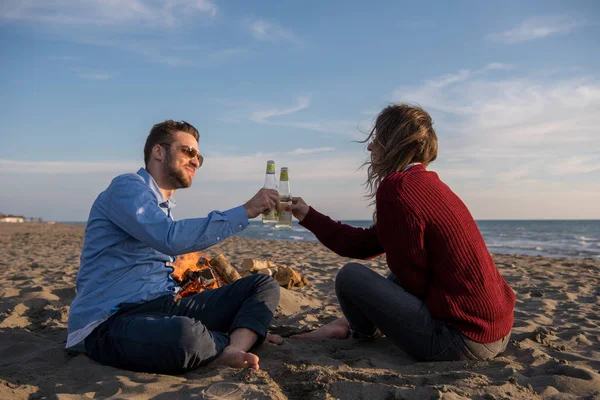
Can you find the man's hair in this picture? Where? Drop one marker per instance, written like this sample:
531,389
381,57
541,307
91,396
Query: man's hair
406,136
163,133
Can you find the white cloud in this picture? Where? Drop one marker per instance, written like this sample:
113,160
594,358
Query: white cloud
310,151
516,110
155,29
272,32
576,165
449,79
538,28
306,164
64,167
333,184
269,116
524,138
103,12
262,116
496,66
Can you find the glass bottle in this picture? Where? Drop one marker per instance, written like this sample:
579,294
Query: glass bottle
270,217
284,218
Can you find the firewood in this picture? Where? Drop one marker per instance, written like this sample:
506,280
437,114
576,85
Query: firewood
265,271
224,269
288,277
252,265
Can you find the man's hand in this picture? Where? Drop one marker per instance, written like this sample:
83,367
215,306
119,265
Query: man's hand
299,208
263,201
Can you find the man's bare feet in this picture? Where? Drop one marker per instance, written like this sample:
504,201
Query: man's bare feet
235,358
337,329
273,340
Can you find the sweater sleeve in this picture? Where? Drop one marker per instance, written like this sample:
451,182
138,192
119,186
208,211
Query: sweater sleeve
402,235
344,240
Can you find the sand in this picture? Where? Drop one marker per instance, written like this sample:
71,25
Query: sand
554,352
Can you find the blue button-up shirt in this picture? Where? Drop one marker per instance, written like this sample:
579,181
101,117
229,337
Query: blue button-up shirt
129,239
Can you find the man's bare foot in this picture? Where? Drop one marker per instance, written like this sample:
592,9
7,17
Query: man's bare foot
273,340
337,329
236,358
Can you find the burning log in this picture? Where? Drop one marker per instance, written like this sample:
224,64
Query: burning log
185,262
194,274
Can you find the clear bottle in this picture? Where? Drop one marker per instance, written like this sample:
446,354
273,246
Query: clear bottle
270,217
284,219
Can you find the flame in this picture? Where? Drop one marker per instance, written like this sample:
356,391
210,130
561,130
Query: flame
188,261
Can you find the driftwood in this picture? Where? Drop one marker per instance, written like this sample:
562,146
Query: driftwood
224,269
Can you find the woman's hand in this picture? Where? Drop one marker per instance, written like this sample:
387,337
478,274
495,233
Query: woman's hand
299,208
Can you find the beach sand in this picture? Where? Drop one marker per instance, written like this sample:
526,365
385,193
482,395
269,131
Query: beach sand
554,351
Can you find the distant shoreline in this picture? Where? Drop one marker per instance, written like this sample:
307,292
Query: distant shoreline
547,238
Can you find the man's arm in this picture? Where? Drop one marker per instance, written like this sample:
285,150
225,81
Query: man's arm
134,208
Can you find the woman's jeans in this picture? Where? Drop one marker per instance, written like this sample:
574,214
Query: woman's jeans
370,302
166,337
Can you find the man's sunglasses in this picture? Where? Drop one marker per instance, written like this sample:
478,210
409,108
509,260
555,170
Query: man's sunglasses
189,152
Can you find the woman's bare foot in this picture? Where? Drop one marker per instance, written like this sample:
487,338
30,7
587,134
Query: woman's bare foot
236,358
273,340
337,329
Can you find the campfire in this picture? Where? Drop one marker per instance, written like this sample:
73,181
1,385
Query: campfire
195,273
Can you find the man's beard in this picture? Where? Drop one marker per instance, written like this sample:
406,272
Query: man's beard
178,177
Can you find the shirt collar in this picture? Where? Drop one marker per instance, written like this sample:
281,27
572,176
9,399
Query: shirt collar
154,187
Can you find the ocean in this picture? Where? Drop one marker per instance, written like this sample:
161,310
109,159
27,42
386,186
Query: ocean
558,238
563,238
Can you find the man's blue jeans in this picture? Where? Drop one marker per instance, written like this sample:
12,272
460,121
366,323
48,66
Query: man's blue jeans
166,337
370,301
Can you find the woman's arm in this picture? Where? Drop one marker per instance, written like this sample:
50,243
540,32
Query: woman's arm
344,240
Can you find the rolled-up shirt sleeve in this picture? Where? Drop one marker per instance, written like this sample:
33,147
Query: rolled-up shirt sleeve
134,208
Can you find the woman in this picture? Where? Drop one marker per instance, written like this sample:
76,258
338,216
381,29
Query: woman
444,298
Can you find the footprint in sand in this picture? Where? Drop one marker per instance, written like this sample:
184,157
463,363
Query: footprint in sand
234,391
224,390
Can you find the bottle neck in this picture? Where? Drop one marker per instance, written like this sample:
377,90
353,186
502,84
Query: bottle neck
270,181
284,189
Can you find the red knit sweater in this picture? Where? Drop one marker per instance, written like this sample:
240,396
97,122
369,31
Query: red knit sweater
434,247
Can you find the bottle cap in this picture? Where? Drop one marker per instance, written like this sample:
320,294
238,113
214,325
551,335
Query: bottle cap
270,167
284,176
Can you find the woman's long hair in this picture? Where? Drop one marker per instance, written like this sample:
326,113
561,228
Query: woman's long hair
405,134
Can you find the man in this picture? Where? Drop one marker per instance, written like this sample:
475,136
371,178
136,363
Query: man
124,314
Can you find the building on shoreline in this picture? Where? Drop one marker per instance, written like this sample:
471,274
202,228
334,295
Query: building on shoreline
18,219
11,218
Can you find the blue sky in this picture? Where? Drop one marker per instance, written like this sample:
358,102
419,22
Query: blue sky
513,88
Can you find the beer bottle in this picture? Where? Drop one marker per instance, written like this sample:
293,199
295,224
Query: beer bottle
284,218
270,217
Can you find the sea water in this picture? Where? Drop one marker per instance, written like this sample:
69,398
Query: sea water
560,238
